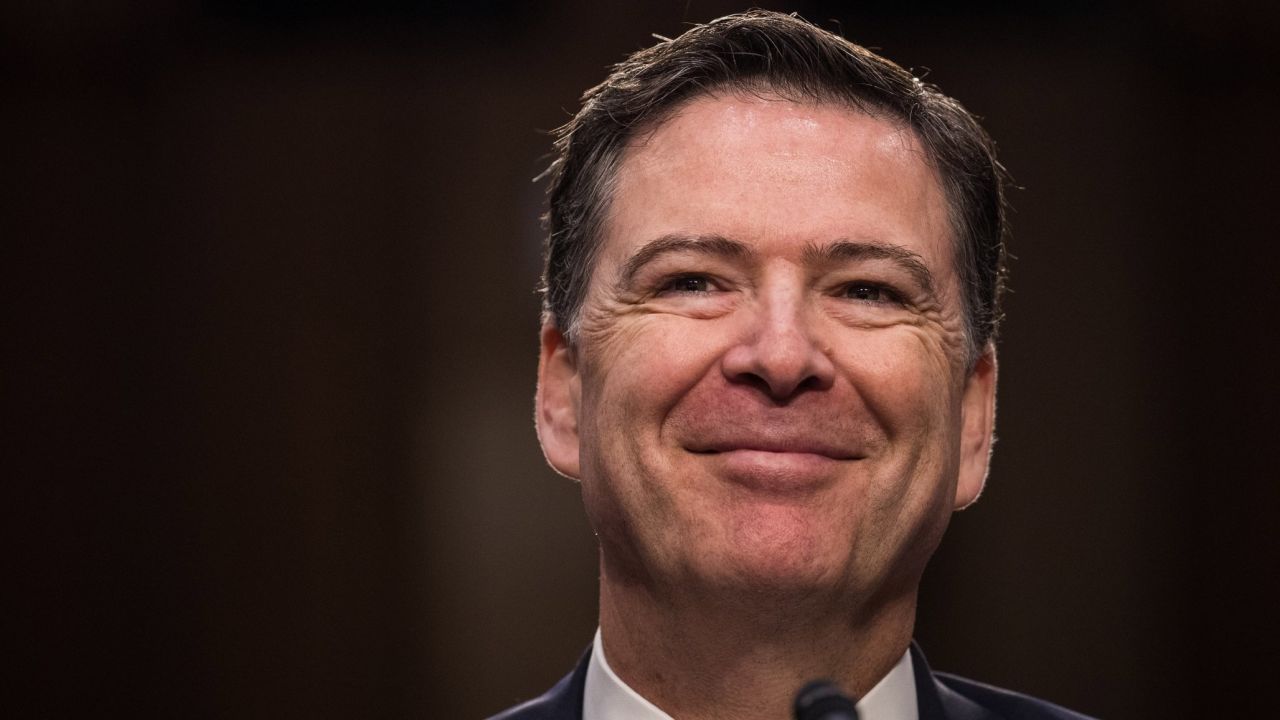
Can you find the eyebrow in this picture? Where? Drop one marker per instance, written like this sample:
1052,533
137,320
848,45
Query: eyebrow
676,242
845,250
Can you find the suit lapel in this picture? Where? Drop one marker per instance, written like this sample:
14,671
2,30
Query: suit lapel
566,703
937,701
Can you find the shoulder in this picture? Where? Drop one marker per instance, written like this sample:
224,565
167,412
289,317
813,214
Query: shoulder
561,702
541,708
1003,703
943,696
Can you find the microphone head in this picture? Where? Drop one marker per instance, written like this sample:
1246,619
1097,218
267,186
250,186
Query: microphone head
822,700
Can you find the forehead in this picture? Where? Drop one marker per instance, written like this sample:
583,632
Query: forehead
779,174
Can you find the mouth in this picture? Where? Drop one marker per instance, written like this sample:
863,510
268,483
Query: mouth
815,448
777,468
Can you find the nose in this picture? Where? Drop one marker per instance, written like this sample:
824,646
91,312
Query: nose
779,353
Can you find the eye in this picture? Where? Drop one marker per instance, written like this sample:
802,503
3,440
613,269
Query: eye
871,293
686,284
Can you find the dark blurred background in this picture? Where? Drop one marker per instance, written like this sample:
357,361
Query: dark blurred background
270,337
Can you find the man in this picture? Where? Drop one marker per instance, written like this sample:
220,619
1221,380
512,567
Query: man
772,287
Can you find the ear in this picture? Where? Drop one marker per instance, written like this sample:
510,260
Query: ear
557,402
978,422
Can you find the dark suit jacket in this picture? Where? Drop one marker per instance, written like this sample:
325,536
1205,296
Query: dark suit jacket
940,697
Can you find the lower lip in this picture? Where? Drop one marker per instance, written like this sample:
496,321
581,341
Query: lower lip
776,471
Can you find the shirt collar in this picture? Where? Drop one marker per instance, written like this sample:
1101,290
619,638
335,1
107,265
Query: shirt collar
607,697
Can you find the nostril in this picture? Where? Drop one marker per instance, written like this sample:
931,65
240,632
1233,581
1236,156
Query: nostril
780,358
755,381
813,382
780,388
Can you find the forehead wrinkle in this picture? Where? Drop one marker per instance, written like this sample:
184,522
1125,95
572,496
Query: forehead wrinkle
709,244
908,260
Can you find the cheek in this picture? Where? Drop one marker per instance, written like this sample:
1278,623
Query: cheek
639,369
906,385
905,378
647,357
634,375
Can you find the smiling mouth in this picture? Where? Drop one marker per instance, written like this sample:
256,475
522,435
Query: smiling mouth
777,470
816,450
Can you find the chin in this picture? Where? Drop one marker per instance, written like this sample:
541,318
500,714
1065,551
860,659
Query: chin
778,549
773,586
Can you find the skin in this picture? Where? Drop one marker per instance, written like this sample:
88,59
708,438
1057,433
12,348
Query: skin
768,405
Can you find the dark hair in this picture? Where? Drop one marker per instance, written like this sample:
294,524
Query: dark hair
767,52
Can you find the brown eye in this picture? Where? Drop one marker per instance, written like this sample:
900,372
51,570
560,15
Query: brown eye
869,292
687,284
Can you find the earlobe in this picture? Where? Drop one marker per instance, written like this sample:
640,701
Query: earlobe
557,402
978,420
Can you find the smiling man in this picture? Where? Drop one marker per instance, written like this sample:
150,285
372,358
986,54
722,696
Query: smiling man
772,289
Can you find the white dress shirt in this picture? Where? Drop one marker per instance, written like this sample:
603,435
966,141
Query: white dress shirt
606,697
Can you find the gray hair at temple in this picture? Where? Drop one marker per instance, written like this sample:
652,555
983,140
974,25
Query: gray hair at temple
764,52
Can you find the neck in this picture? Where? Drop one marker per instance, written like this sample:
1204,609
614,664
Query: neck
702,656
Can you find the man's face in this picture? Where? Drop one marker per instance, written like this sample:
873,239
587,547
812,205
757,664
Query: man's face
769,390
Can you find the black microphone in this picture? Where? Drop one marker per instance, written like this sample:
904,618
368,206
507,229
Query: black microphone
821,700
